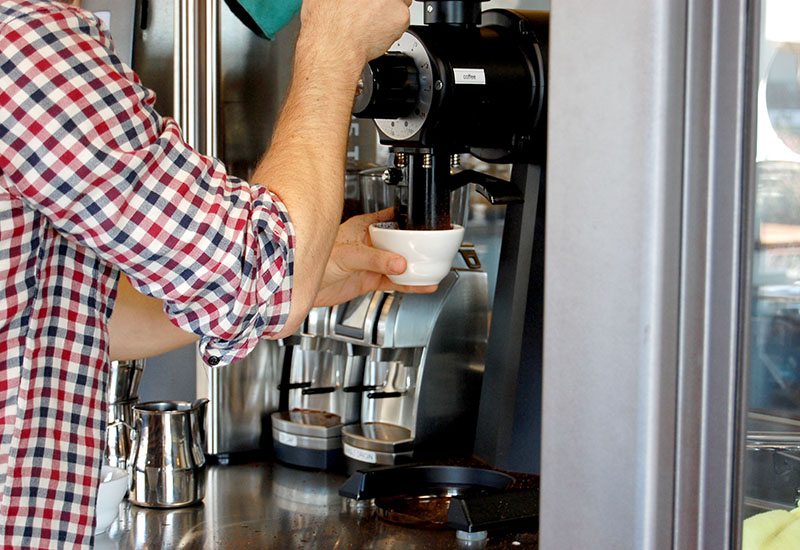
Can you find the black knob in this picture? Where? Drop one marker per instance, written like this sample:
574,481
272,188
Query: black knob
392,176
465,13
388,88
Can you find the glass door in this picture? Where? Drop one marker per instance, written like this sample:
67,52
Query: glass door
772,456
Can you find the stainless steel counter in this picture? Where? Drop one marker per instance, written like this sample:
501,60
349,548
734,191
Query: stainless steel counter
271,506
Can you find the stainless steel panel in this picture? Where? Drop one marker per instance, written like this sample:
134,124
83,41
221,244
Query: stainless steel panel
121,17
373,304
185,77
438,376
242,396
350,407
153,53
316,323
210,84
123,381
390,370
408,321
326,363
254,76
615,173
714,274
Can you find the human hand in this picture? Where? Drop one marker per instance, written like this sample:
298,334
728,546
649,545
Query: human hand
361,29
355,267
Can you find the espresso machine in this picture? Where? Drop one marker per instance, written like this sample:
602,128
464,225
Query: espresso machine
317,395
386,375
469,82
422,378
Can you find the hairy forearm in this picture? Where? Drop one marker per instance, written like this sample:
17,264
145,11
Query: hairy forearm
305,164
139,328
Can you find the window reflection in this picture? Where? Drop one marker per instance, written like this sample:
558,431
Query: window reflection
772,463
783,95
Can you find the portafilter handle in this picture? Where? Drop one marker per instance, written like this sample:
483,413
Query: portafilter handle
496,190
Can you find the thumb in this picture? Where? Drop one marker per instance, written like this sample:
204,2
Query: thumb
367,258
362,221
385,215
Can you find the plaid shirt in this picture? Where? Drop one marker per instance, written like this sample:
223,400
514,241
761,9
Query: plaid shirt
94,181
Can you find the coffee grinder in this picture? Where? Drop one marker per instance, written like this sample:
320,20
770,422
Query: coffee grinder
474,82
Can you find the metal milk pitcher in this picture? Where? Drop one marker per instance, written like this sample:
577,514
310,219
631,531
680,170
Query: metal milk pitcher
167,463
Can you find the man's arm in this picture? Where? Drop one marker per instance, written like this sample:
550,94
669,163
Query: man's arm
220,253
305,165
139,328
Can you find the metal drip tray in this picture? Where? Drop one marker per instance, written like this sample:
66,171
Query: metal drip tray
377,436
308,423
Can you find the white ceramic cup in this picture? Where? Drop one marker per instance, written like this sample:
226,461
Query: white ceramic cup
428,254
113,486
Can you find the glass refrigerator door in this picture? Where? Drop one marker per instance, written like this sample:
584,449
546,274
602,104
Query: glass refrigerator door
772,456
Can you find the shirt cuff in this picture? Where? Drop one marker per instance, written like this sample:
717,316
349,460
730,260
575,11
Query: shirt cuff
276,242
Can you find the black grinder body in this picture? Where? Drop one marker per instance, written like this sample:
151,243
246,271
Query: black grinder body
482,93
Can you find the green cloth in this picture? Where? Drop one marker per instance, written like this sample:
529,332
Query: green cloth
265,17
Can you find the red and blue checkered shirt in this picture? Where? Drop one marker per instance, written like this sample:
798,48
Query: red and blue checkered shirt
93,182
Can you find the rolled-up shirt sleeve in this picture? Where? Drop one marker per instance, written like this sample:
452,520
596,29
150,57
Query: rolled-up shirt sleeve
81,143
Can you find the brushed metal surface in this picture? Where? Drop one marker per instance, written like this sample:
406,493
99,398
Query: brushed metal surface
379,437
241,395
270,506
322,369
325,363
372,302
307,423
313,443
123,380
316,323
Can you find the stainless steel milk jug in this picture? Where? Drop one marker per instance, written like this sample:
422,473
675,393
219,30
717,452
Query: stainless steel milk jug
167,464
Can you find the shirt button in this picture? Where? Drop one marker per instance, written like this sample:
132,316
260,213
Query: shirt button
213,360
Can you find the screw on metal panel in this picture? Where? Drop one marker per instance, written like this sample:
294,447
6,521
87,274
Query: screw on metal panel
430,8
438,85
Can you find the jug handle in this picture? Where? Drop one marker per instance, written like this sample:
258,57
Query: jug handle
118,423
200,404
133,439
134,451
